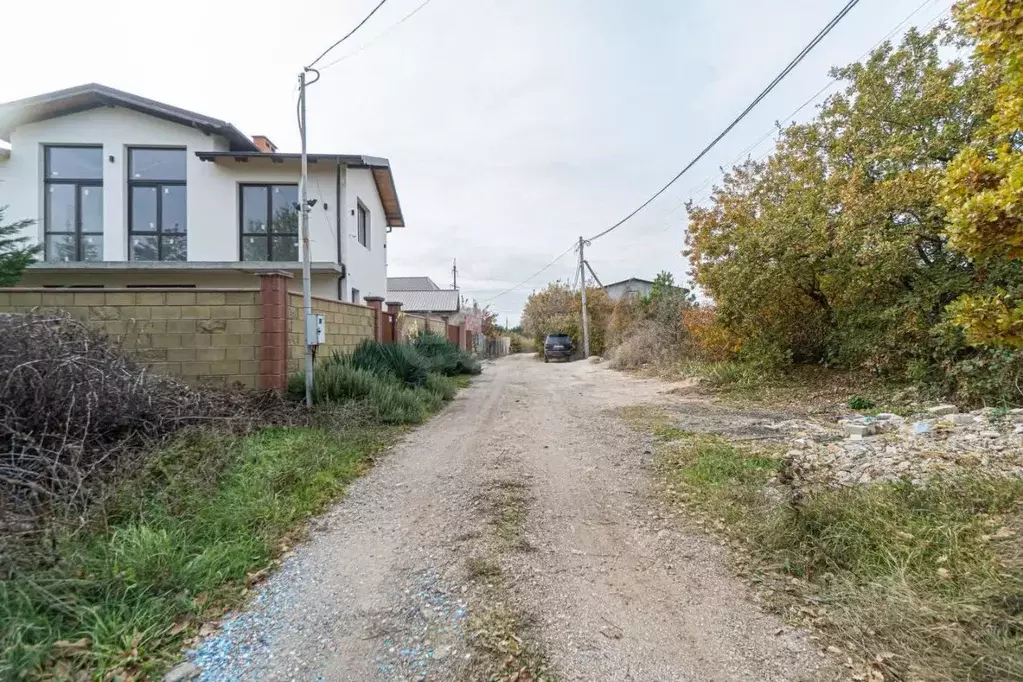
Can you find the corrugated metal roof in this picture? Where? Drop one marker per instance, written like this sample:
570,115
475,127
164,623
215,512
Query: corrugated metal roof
411,284
441,301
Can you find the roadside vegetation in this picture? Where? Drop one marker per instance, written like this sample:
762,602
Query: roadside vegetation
881,236
871,263
135,508
920,582
557,309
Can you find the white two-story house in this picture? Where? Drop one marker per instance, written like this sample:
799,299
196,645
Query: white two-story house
129,192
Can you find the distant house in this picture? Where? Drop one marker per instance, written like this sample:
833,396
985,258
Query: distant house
629,288
411,284
422,296
129,192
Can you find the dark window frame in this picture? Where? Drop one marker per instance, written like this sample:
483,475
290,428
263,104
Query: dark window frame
270,233
158,185
362,227
355,295
78,184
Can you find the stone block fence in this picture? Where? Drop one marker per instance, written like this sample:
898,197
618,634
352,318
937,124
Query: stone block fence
248,336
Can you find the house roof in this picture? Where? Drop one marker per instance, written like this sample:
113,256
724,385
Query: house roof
380,167
440,301
93,95
626,281
411,284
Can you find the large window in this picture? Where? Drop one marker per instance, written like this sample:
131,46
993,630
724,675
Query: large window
363,224
73,210
269,215
158,206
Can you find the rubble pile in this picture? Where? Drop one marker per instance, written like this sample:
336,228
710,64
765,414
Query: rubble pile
887,447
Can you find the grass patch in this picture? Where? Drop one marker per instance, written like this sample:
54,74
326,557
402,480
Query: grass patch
502,635
507,504
482,567
174,546
503,653
926,582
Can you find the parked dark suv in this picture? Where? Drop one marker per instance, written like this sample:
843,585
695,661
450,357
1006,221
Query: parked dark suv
557,346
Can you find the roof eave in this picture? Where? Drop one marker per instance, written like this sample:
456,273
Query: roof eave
380,167
93,95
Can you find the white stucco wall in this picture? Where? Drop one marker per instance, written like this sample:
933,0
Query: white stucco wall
367,268
213,192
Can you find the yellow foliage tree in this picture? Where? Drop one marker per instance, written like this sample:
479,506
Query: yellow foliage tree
983,189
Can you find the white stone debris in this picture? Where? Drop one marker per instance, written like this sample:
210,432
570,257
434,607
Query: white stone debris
940,442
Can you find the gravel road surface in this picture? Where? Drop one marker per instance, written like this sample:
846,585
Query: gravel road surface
615,587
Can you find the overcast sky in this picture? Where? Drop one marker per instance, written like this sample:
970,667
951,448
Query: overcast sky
512,126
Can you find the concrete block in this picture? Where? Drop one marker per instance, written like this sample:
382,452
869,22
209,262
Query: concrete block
241,298
120,299
195,312
150,298
182,326
180,298
210,298
941,410
860,431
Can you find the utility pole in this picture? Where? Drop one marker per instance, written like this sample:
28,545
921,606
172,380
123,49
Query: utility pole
454,273
586,313
303,207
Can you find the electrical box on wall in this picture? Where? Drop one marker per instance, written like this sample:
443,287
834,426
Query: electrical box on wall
317,329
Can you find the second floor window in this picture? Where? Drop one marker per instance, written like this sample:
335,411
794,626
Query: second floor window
73,211
269,229
157,201
363,224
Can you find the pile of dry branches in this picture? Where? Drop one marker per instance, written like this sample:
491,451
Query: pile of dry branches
75,408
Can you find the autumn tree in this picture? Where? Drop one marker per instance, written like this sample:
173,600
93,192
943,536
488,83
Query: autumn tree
983,190
834,248
558,309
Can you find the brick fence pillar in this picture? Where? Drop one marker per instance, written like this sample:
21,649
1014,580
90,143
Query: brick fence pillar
376,302
273,330
397,333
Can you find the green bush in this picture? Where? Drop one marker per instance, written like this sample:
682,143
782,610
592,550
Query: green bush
443,386
395,404
401,384
402,361
858,402
445,357
336,382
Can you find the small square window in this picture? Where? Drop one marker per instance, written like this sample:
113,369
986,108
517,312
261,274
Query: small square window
355,295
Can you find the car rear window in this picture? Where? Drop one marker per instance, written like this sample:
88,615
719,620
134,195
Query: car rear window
559,338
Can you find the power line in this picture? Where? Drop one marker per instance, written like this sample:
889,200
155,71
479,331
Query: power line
710,178
771,86
703,197
538,272
379,36
347,35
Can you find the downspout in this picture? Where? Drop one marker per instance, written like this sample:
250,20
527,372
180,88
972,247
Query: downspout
342,230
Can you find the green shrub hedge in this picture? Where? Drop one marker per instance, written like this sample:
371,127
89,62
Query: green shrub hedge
402,383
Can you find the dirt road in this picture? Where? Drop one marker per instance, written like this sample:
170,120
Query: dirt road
526,494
